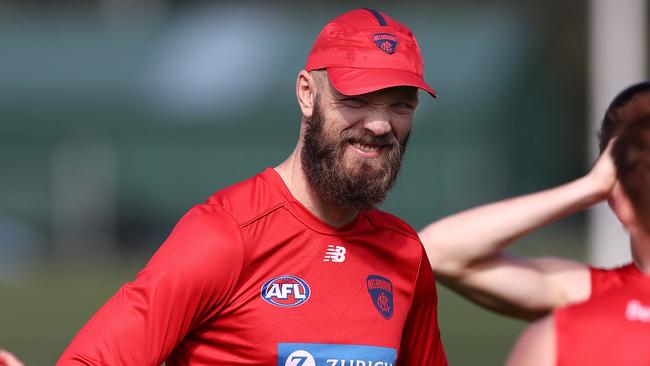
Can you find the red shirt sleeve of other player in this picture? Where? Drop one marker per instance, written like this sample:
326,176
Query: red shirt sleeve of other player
186,281
611,329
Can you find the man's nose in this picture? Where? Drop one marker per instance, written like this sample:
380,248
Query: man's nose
378,123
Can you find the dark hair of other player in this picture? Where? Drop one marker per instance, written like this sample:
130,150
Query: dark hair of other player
631,104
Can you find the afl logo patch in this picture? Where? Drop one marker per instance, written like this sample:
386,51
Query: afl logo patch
285,291
386,42
381,293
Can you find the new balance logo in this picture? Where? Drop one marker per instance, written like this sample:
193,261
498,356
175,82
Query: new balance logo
335,254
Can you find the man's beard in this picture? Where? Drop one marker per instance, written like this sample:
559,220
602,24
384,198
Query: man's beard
359,184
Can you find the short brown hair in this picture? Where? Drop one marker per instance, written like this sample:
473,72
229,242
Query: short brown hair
631,104
631,155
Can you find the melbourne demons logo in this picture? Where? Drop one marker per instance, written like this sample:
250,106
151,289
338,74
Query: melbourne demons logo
386,42
285,291
381,292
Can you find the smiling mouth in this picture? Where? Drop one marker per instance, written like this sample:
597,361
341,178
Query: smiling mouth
368,148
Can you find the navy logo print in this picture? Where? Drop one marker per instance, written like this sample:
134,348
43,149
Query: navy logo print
386,42
381,292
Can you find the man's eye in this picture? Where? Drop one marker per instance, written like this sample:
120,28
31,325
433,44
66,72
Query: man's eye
403,108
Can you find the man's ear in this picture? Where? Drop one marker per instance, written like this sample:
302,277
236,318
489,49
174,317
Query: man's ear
306,93
622,207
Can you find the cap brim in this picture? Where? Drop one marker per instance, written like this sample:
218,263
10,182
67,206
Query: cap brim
356,81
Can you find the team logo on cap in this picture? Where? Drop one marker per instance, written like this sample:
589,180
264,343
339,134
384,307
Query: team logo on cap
285,291
386,42
381,292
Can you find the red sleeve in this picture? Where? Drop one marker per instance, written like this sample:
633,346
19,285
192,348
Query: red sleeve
189,279
421,344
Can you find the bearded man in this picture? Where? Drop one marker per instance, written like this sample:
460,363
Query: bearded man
296,266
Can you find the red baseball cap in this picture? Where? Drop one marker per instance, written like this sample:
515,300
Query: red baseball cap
364,50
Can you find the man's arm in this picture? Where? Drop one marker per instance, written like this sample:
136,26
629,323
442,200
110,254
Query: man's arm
536,346
466,249
188,280
8,359
421,343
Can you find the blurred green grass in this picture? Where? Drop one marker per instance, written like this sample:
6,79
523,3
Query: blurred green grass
472,335
40,314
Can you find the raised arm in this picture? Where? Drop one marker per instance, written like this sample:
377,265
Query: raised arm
8,359
466,249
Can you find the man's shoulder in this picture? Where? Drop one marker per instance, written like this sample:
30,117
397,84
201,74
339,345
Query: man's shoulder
625,268
387,221
248,199
605,279
616,303
614,297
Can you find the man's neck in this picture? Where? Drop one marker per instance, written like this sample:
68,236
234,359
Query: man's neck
294,178
641,250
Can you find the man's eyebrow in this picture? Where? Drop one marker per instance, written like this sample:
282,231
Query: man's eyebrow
410,97
413,97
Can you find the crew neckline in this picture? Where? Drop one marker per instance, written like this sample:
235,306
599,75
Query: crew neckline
303,214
